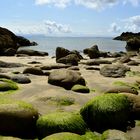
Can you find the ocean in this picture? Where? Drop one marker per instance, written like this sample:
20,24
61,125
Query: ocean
49,44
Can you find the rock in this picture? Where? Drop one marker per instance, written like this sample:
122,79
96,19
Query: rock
54,66
4,76
125,36
64,136
133,63
92,68
74,68
6,85
120,89
9,42
60,122
71,59
114,70
77,53
133,44
9,138
80,89
30,52
10,52
115,135
65,78
109,111
33,70
22,41
61,52
125,59
21,79
135,102
34,62
17,119
93,52
10,65
117,54
96,62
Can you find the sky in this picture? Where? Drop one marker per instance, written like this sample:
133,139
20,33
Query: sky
70,17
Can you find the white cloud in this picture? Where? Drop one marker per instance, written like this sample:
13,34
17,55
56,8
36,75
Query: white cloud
96,4
114,28
52,26
47,28
57,3
132,24
93,4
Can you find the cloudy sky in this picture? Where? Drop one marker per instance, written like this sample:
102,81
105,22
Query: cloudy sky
70,17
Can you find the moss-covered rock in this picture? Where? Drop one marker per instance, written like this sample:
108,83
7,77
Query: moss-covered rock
9,138
89,135
17,118
80,88
60,122
109,111
6,85
64,136
115,135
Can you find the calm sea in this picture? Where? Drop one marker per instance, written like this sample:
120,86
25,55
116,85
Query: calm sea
49,44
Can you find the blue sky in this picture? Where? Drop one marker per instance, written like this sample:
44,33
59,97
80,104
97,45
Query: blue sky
70,17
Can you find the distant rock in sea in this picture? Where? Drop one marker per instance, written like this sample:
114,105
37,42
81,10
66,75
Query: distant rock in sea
9,42
125,36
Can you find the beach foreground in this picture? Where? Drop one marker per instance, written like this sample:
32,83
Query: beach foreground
47,98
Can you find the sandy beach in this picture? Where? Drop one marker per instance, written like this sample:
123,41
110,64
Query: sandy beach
45,97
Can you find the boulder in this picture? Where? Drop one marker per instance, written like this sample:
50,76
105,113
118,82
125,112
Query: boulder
4,76
71,59
80,89
115,135
21,79
77,53
65,78
74,68
135,102
125,59
93,52
9,42
64,136
61,52
133,63
33,70
30,52
133,44
114,70
10,65
17,119
60,122
54,66
108,111
6,85
120,89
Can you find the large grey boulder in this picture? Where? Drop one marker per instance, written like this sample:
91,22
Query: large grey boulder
114,70
65,78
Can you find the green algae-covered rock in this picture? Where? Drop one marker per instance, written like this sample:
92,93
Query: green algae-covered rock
115,135
17,118
109,111
9,138
80,88
60,122
6,85
91,136
64,136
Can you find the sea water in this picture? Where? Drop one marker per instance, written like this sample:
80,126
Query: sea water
49,44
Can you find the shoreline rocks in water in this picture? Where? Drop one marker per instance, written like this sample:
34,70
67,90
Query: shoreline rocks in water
9,42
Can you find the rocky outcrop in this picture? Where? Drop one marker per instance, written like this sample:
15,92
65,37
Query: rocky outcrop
67,57
9,42
133,44
65,78
114,70
92,52
125,36
29,52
